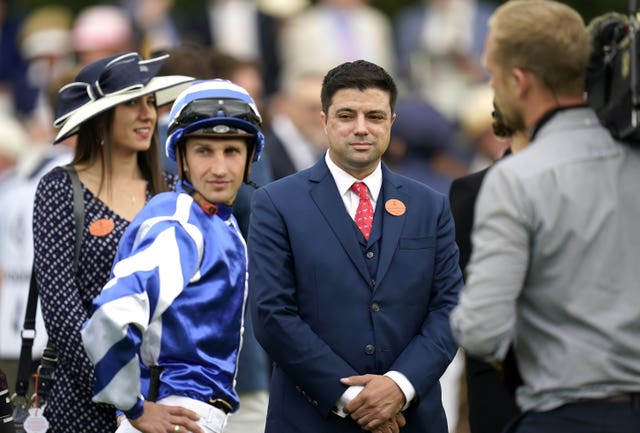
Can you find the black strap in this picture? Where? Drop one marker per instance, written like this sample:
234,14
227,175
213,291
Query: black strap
155,371
28,332
78,211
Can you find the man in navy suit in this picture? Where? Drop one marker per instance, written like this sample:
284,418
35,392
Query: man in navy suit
356,320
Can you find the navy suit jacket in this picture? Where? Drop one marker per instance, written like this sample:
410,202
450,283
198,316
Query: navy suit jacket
281,163
321,316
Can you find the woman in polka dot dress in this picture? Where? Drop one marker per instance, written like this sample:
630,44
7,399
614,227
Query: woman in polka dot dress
112,108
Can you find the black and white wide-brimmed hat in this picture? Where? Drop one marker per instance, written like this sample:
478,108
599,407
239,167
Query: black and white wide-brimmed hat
108,82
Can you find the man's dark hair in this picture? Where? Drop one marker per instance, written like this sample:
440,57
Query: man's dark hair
359,75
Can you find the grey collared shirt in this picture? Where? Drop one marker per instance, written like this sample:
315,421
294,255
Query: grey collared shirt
555,267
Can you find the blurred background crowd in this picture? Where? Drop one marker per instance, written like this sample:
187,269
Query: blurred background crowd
279,50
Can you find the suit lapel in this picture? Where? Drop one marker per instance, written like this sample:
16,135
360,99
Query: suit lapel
391,224
326,196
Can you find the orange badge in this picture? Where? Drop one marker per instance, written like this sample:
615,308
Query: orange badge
101,227
395,207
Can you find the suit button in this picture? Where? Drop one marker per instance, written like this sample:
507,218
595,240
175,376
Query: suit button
373,282
375,307
370,254
369,349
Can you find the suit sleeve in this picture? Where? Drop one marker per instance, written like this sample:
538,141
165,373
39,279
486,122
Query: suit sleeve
485,318
462,198
290,341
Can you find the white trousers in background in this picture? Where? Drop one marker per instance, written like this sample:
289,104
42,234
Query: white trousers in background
251,417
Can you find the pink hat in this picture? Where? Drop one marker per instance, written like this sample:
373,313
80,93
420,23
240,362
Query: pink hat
102,27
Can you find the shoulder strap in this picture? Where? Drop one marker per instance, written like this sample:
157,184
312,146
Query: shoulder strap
28,332
78,211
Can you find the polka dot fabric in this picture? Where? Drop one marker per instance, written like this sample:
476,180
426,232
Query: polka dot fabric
66,298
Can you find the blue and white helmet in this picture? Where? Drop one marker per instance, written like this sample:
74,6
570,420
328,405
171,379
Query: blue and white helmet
214,107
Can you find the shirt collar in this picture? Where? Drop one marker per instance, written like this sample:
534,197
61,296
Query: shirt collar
344,180
533,132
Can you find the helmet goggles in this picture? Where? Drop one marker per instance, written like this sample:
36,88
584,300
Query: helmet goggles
201,109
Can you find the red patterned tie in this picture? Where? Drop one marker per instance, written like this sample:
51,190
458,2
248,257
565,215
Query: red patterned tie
364,213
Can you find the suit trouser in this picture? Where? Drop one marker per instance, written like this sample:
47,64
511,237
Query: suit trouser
583,417
491,406
212,419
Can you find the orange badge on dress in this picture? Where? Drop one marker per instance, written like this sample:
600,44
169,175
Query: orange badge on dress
395,207
101,227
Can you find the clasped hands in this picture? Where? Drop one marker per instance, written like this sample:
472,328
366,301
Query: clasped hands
377,407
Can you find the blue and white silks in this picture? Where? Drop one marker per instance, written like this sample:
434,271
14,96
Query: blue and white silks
175,299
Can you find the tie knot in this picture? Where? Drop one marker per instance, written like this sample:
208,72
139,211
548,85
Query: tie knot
361,189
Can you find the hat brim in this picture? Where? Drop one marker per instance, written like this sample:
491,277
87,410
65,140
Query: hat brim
166,88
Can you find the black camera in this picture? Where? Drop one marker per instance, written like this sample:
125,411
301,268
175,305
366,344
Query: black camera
613,77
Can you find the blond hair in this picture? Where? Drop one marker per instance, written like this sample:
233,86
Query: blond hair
544,37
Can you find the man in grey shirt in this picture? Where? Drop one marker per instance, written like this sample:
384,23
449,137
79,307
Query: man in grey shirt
554,269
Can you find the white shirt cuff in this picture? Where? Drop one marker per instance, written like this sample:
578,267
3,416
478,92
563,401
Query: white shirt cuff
345,398
405,386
